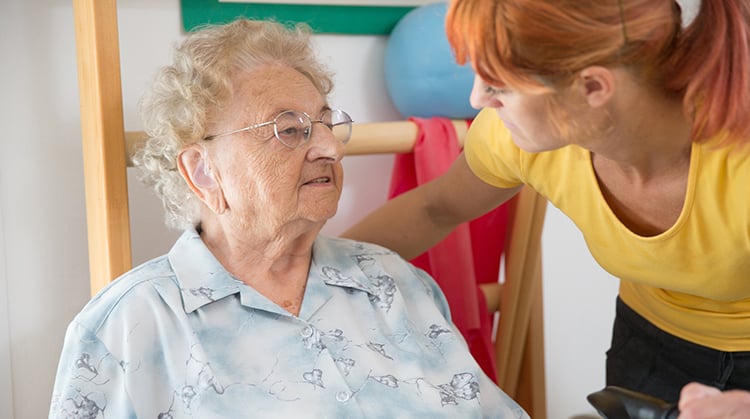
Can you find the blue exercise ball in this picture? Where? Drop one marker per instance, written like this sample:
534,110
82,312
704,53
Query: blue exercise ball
421,74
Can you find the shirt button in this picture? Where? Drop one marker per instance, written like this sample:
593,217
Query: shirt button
307,332
342,396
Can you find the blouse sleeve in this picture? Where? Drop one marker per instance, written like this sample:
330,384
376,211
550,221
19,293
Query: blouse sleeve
89,381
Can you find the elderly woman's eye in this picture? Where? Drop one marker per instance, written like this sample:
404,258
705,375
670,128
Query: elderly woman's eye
290,131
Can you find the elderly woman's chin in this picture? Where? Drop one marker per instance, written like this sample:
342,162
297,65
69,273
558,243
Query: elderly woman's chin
320,207
318,199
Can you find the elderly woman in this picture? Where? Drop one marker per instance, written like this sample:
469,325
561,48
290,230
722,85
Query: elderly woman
252,313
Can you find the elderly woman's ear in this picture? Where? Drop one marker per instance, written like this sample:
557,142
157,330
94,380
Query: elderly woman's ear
194,166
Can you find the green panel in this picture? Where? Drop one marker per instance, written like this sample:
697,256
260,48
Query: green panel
360,20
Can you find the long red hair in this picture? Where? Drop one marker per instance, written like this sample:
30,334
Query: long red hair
540,45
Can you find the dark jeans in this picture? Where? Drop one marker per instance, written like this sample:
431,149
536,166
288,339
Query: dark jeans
647,359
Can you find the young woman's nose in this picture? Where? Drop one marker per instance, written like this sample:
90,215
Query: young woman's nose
483,95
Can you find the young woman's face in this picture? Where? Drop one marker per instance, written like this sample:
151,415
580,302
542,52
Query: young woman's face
525,115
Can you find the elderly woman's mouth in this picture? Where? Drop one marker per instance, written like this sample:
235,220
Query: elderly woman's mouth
324,179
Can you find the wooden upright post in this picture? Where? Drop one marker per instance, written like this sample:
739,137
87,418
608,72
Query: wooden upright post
519,346
103,133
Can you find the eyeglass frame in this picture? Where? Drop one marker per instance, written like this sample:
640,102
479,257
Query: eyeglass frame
275,127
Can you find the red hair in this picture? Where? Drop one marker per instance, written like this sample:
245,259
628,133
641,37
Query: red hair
712,67
540,45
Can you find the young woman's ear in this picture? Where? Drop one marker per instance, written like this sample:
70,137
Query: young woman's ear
194,166
598,84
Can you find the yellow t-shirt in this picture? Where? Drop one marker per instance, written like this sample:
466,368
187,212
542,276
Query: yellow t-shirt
693,280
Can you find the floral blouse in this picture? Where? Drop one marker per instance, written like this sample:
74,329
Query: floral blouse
179,337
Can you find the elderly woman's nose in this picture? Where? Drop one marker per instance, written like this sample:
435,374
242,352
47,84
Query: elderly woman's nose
323,143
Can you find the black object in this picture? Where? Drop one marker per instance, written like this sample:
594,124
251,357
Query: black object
618,403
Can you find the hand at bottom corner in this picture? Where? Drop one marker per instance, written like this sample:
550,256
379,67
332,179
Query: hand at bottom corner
698,401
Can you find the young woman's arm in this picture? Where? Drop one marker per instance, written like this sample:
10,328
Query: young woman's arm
418,219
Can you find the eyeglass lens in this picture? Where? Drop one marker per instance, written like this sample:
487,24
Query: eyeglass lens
293,128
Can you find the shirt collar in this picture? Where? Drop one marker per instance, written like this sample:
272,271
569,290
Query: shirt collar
337,262
203,280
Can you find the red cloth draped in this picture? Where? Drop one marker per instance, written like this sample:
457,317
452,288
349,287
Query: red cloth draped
471,254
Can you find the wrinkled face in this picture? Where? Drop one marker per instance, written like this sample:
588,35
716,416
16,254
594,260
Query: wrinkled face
525,115
268,186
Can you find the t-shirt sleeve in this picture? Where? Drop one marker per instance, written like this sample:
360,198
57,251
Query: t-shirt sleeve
491,153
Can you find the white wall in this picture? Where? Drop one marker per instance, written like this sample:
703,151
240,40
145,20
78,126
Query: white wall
43,249
43,228
6,382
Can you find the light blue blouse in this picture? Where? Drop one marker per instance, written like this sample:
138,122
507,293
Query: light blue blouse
179,337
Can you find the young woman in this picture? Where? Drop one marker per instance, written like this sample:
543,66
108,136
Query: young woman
635,126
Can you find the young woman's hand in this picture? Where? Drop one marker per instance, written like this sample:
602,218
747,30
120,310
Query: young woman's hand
698,401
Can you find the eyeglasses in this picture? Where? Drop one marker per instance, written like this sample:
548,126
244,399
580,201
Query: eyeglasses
292,128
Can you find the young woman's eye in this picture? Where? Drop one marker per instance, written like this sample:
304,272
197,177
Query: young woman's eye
496,90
